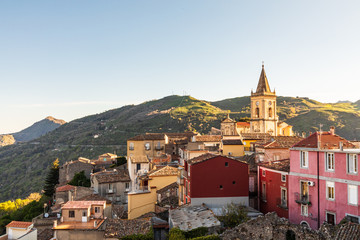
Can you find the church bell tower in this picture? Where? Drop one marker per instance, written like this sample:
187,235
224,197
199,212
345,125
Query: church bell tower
263,108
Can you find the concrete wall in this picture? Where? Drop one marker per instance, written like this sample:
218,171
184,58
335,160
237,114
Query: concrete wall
220,201
79,235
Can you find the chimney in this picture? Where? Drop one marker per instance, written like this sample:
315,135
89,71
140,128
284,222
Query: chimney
332,130
303,134
341,145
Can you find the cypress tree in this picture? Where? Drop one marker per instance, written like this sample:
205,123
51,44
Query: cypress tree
52,179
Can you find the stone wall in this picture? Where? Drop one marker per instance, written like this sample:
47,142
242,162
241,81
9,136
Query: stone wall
68,170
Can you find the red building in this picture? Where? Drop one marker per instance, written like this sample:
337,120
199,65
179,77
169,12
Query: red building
215,180
273,187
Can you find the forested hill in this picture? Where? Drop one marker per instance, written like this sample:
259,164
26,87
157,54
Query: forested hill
23,166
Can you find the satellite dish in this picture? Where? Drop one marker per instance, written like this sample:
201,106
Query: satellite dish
46,215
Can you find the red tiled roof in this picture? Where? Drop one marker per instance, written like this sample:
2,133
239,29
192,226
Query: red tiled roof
201,158
115,175
165,171
65,188
244,124
81,204
327,140
18,224
232,142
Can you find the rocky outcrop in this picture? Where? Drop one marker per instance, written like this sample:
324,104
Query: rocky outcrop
269,227
6,140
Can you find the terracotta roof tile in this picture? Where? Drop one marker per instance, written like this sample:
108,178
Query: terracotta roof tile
81,204
348,231
139,159
280,165
244,124
95,197
114,175
255,136
164,189
201,158
208,138
165,171
327,140
65,188
18,224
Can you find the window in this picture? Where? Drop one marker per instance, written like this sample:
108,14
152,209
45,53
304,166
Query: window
226,164
264,173
234,182
283,177
304,191
304,159
97,209
147,146
138,167
84,213
330,191
352,194
352,218
127,185
71,214
221,187
131,146
270,113
283,197
330,161
263,191
304,210
257,110
105,159
330,218
352,163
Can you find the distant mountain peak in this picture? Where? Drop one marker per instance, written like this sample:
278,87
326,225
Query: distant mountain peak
55,120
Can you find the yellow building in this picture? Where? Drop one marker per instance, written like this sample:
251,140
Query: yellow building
143,200
232,147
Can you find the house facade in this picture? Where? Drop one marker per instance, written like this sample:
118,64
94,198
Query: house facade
324,180
273,187
214,180
20,230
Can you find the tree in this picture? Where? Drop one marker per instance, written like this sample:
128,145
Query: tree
233,215
52,179
80,179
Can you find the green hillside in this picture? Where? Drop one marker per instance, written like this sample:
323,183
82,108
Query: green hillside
23,166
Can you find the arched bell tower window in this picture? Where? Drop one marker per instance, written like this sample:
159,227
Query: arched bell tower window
257,110
270,112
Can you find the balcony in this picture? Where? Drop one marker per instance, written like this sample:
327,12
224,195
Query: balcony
282,203
304,199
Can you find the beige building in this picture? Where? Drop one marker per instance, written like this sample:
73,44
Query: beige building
143,200
20,230
81,220
232,147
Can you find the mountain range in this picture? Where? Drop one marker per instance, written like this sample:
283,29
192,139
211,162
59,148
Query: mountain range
36,130
23,166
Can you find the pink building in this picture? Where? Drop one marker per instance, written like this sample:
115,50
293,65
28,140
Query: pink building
324,180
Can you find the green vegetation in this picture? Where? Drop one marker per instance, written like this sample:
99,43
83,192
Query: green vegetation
23,166
233,215
80,179
52,179
197,233
148,236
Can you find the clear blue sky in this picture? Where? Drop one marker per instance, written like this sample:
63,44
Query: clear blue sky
72,58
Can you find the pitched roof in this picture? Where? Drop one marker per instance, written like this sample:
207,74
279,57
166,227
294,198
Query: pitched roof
280,165
108,154
148,136
348,231
19,224
65,188
263,84
244,124
327,140
164,189
249,159
114,175
95,197
208,138
201,158
81,204
139,159
118,228
165,171
232,142
283,142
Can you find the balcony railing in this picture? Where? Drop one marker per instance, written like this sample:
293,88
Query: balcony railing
303,198
282,203
110,190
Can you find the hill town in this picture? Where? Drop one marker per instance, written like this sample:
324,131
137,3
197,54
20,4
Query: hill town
248,168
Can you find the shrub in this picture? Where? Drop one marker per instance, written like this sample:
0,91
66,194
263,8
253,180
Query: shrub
176,234
233,215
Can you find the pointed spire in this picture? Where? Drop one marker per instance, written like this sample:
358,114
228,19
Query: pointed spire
263,85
